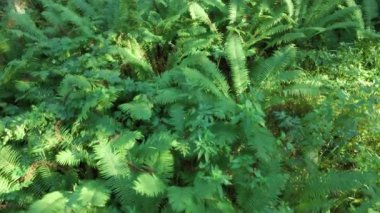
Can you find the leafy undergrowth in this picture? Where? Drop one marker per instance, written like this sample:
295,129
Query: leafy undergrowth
189,106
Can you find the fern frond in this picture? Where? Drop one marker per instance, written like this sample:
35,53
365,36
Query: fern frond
336,16
149,185
236,9
343,25
9,160
196,79
276,30
319,186
68,157
178,116
302,90
89,194
217,4
316,10
236,58
209,69
28,26
144,68
73,83
290,76
269,23
357,15
290,7
181,198
85,7
198,13
109,163
287,38
139,109
169,95
5,185
162,163
126,140
371,10
52,202
69,16
158,142
225,134
273,65
262,141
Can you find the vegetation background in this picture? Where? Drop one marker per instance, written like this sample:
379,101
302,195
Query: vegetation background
189,106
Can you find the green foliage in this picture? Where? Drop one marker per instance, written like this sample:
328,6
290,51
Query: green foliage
236,58
189,106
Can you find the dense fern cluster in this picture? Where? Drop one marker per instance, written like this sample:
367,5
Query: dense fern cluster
189,106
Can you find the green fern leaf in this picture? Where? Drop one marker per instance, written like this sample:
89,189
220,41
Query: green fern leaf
52,202
271,66
69,158
287,38
126,140
73,83
290,7
109,163
371,10
169,96
302,90
336,16
177,117
208,68
139,109
197,79
316,10
181,198
27,25
268,24
198,13
92,194
343,25
9,160
5,185
86,7
132,57
149,185
236,9
236,59
263,142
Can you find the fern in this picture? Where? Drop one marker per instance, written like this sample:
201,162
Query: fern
25,22
181,199
52,202
197,12
197,79
140,108
110,164
236,58
210,70
149,185
10,160
269,67
89,194
67,157
236,8
320,187
371,11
